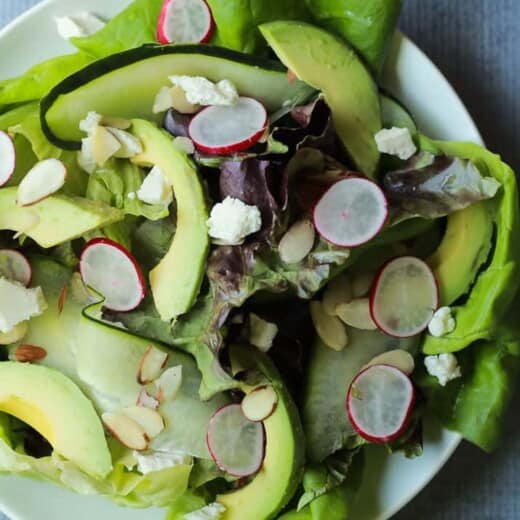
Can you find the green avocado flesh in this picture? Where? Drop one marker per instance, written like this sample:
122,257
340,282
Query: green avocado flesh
275,484
125,85
464,248
56,219
176,280
55,407
330,65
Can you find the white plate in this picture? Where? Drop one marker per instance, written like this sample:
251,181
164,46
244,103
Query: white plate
389,482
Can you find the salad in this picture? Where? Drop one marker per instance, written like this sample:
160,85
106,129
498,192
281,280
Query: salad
229,261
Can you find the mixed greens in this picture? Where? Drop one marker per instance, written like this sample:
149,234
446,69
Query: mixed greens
237,261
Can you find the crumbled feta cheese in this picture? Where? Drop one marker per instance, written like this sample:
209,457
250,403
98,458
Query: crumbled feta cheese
82,24
184,144
489,186
90,123
442,322
202,91
130,145
396,141
261,332
18,304
159,460
231,221
212,511
155,188
444,367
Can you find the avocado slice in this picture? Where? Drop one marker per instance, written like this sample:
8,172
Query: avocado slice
330,65
176,280
463,250
55,407
275,484
56,219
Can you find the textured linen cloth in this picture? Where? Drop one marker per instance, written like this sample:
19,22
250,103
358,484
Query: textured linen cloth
476,43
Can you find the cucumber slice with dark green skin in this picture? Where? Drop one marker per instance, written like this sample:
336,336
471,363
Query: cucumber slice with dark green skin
393,113
125,85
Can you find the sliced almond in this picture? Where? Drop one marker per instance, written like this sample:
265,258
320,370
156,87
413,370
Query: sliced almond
338,291
398,358
150,420
17,333
260,404
29,353
361,284
147,400
42,180
357,314
127,431
151,365
169,383
116,122
329,328
104,145
297,242
163,101
179,102
130,145
261,332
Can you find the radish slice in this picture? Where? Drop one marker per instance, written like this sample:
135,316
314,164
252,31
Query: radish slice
7,158
15,266
41,181
379,403
404,297
185,21
236,444
111,270
351,212
222,129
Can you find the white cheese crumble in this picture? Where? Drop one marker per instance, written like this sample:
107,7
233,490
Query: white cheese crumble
444,367
159,460
202,91
18,304
442,322
396,141
212,511
155,188
261,332
82,24
231,221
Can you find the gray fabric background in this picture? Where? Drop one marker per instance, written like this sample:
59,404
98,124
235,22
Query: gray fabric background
476,43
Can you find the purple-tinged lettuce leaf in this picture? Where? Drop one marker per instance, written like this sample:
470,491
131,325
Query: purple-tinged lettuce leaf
434,186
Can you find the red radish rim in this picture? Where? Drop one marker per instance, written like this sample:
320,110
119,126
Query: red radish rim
213,454
140,277
7,139
239,146
161,33
407,416
373,291
28,267
366,240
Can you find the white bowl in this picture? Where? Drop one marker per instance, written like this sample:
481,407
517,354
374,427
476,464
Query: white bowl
389,482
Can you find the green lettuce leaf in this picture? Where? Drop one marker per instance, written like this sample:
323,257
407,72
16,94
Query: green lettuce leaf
496,286
132,27
475,404
367,25
237,21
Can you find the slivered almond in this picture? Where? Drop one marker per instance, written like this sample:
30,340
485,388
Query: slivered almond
260,404
147,400
62,298
127,431
104,145
151,365
116,122
329,328
29,353
338,291
179,102
130,145
357,314
361,284
150,420
169,383
297,242
397,358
